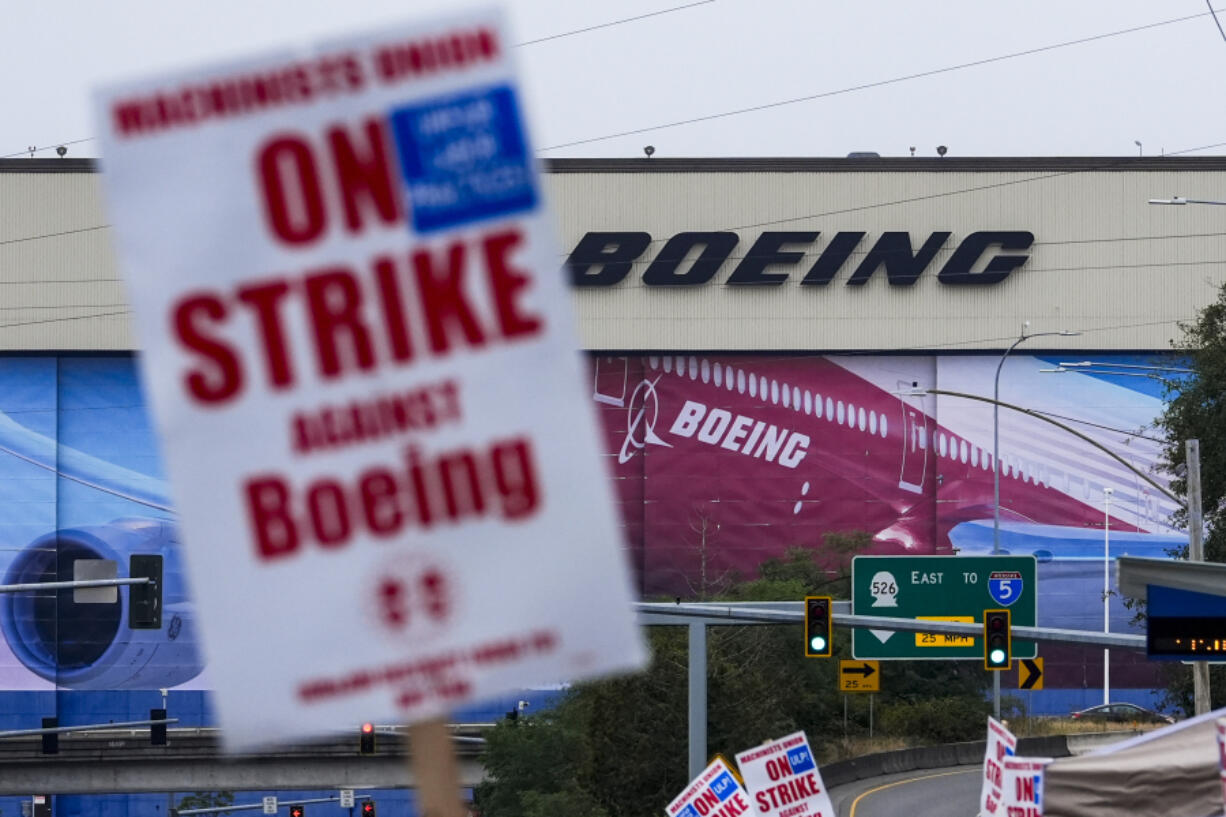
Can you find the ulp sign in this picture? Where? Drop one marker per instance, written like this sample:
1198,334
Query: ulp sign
714,793
783,779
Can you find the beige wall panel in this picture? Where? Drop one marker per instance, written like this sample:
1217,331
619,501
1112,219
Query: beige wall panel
58,284
1104,262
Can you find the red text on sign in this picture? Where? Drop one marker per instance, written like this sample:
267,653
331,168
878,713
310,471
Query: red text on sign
423,58
375,418
360,180
226,97
777,768
708,804
787,792
993,773
357,319
402,600
422,491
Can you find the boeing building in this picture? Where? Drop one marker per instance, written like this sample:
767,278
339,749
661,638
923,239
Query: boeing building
779,350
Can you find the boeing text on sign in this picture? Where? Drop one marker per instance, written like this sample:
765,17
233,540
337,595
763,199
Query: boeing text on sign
361,360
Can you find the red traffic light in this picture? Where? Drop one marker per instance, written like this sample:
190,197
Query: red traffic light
297,811
366,739
368,808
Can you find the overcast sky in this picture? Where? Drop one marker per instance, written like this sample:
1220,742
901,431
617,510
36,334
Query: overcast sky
1161,86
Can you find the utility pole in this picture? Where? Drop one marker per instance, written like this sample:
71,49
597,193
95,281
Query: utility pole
1196,553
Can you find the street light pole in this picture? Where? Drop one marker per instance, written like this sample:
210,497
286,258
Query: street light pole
996,428
1200,670
1180,200
1023,337
1106,592
1196,553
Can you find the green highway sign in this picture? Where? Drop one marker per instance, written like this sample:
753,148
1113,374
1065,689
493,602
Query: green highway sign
940,588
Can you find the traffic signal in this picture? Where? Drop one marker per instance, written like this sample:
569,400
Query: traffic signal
145,600
997,640
42,805
157,731
368,808
818,643
366,740
51,741
297,811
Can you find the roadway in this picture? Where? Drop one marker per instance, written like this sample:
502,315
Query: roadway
951,792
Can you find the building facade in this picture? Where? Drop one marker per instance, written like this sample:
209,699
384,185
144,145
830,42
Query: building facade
780,350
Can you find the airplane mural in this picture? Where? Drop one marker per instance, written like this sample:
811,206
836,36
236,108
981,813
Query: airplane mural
759,454
718,463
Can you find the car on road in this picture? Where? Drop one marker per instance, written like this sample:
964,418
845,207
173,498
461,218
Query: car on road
1121,713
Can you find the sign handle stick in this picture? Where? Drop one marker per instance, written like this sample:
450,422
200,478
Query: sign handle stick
432,761
870,716
844,715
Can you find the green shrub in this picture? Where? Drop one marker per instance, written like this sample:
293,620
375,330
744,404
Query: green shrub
937,720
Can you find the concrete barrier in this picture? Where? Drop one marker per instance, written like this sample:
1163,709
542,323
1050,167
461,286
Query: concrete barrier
1089,741
956,754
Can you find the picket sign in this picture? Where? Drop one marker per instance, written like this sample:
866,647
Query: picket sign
1022,787
1221,754
1001,745
716,792
362,363
783,779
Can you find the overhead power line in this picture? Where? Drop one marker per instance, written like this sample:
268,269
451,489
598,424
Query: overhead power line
794,100
882,83
64,320
47,147
54,235
612,23
544,39
1215,19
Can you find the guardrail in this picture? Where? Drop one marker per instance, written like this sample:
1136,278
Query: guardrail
124,761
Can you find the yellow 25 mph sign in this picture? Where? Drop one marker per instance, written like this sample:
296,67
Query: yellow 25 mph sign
859,676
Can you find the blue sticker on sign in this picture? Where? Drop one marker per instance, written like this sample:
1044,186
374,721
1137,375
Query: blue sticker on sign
723,786
688,811
801,760
463,158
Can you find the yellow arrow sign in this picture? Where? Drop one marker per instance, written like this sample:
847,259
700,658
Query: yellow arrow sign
1030,674
859,676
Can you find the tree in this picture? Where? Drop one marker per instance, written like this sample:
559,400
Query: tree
618,748
534,767
206,799
1196,409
